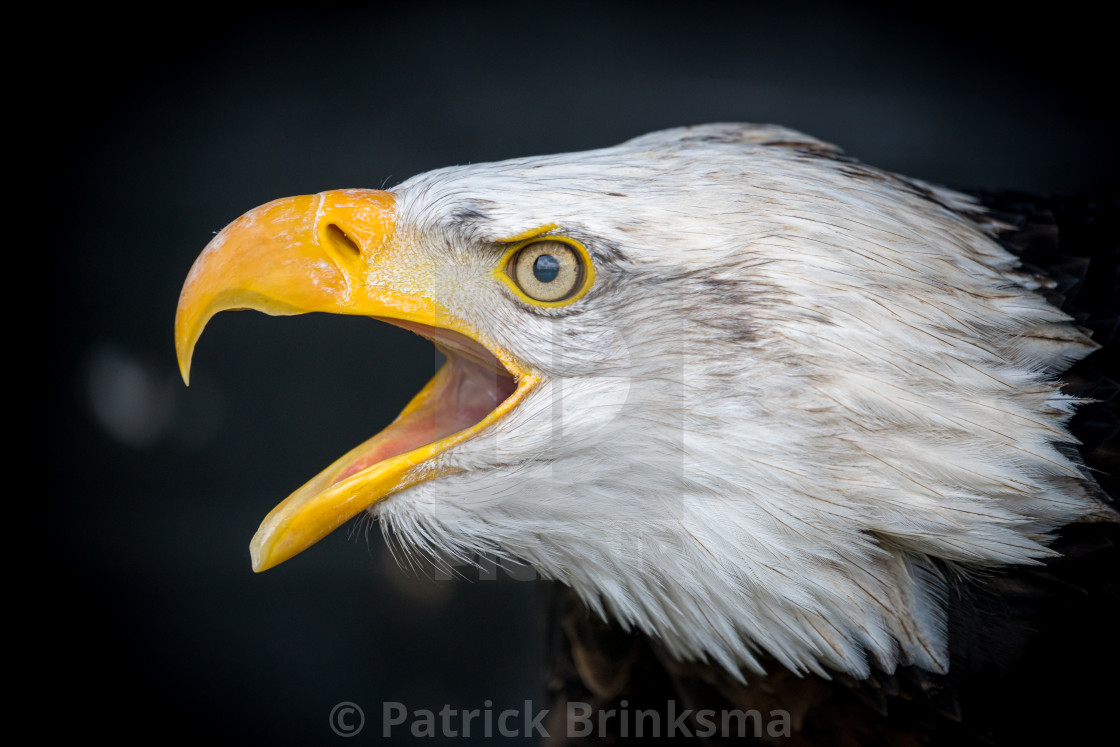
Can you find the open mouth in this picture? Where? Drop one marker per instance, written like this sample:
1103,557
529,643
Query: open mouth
471,385
335,252
470,391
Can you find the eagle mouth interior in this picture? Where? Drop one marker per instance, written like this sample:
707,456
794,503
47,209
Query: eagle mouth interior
471,384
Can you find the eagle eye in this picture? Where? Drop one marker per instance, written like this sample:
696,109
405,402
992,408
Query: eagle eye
548,270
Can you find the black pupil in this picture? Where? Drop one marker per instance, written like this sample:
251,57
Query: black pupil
546,268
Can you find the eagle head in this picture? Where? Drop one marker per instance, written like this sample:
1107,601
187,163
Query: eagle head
739,392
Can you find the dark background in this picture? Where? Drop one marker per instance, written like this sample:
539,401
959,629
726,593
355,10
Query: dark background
150,133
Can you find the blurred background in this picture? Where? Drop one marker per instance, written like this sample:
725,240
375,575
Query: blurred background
154,132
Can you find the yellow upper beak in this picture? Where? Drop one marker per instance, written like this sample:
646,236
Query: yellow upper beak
301,254
334,251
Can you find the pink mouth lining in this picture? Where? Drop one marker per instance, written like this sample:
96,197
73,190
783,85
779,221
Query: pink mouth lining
467,388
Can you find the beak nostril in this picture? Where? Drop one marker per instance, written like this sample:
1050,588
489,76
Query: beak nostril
341,239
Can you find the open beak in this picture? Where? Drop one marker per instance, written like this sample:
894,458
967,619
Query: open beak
335,251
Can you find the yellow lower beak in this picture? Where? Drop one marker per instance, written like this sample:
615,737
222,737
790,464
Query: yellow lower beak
335,252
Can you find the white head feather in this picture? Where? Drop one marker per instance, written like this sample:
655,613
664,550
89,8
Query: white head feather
800,391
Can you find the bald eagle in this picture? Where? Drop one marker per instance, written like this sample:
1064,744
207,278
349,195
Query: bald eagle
785,430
